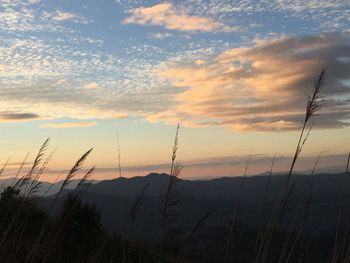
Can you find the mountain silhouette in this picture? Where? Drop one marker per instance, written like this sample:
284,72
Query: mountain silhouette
115,198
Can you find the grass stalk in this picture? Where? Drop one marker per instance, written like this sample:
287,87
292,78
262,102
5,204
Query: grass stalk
72,173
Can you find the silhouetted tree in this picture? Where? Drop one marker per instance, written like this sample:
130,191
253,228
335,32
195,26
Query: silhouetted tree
78,229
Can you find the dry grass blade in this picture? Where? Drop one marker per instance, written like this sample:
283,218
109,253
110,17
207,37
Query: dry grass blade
263,208
44,166
306,137
347,165
4,166
235,214
171,196
76,167
267,189
313,105
24,179
173,156
310,189
35,183
21,167
286,201
2,170
84,180
137,204
201,221
119,162
305,216
246,168
287,241
52,184
337,242
39,156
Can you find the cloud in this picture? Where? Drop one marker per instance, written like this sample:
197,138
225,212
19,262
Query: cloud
65,125
261,87
173,18
161,35
91,85
200,62
23,16
234,166
17,116
34,1
58,79
314,15
64,16
56,99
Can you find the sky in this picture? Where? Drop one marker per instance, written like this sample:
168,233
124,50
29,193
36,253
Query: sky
233,74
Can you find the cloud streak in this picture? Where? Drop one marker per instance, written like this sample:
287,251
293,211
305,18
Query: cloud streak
173,18
65,125
17,116
64,16
262,87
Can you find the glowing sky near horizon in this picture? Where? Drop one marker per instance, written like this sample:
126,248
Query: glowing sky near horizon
233,73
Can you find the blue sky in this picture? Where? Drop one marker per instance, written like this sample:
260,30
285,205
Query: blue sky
236,71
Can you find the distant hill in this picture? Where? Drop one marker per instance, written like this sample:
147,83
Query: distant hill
45,188
223,188
114,198
219,188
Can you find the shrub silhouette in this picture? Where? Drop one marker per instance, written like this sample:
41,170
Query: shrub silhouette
20,221
78,229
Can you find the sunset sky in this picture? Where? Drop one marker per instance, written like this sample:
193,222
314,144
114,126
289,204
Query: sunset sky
234,74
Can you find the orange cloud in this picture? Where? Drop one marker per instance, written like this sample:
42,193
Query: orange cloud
68,125
91,85
261,87
166,14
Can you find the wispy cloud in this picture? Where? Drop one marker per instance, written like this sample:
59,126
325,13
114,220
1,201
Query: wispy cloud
64,125
63,16
34,1
261,87
7,116
160,35
91,85
62,78
23,16
234,166
174,18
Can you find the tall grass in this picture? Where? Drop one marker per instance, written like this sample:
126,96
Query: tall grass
71,174
313,105
338,243
138,203
172,197
38,159
236,210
